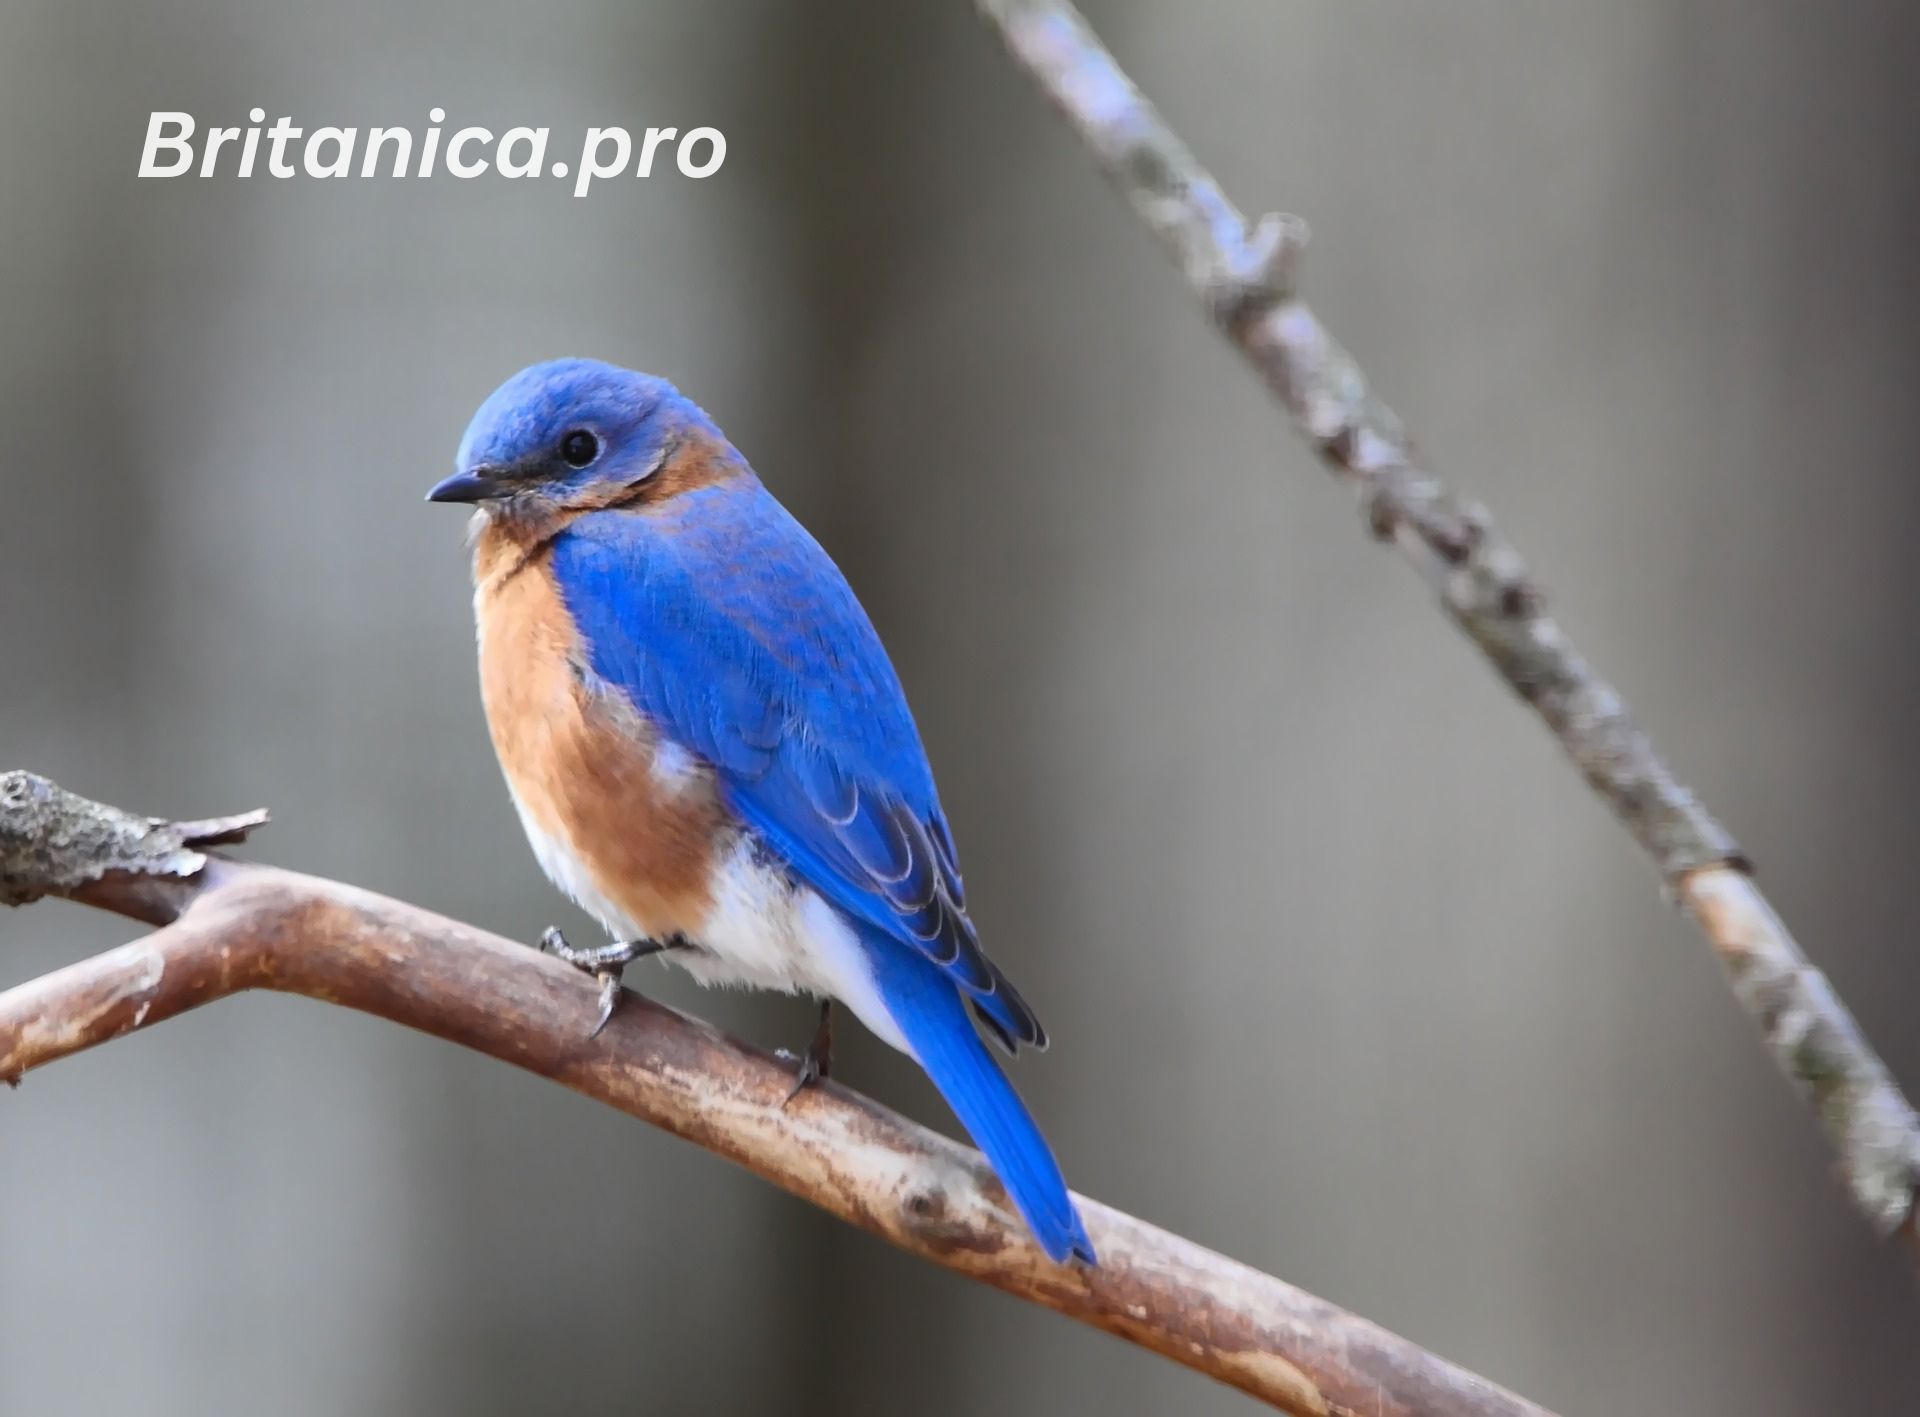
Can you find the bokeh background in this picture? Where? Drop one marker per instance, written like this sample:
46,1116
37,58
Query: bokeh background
1348,976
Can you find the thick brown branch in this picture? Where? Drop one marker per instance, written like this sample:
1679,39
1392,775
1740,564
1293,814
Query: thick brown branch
1245,276
228,926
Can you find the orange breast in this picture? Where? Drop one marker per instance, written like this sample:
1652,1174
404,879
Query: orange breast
582,765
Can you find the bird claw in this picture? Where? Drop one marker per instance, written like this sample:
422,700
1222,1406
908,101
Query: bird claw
609,999
816,1063
606,963
804,1077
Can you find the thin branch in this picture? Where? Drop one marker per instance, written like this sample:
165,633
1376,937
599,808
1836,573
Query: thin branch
1245,276
229,926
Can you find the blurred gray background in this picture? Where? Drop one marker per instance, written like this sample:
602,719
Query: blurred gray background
1348,976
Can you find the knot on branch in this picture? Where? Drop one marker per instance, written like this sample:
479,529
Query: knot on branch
928,1213
1256,271
53,841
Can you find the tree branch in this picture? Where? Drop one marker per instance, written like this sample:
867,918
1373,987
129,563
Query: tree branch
229,926
1245,276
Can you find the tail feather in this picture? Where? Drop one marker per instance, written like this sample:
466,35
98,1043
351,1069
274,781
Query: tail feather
1007,1016
932,1016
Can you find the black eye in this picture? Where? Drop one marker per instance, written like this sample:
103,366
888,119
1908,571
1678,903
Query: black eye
579,448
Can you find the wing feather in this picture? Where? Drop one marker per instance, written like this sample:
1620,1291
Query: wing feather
727,626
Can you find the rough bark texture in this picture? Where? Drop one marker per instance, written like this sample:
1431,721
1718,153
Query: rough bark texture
1245,274
229,926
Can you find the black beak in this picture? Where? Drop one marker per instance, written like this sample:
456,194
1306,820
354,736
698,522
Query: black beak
475,486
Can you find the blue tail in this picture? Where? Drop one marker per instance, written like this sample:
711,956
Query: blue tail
930,1012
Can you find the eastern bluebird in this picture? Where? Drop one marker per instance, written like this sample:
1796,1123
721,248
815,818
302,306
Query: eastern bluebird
709,748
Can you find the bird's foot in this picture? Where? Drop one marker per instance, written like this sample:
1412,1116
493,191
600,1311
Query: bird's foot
817,1062
606,963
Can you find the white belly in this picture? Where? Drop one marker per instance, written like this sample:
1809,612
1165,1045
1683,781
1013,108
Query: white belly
762,931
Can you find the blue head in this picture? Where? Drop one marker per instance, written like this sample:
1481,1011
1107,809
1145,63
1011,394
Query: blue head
570,433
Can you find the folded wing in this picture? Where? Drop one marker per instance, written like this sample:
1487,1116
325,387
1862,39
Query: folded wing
724,623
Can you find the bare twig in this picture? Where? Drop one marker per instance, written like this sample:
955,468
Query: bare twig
1245,275
228,926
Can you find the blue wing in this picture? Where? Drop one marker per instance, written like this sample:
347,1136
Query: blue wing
727,625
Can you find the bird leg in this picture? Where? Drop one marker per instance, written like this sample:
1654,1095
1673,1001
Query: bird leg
817,1062
607,963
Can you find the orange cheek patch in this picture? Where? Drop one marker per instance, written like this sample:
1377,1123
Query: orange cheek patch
698,460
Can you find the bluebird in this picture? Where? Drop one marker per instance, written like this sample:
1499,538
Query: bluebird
710,751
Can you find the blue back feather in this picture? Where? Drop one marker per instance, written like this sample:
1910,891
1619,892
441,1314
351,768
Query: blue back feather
726,624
